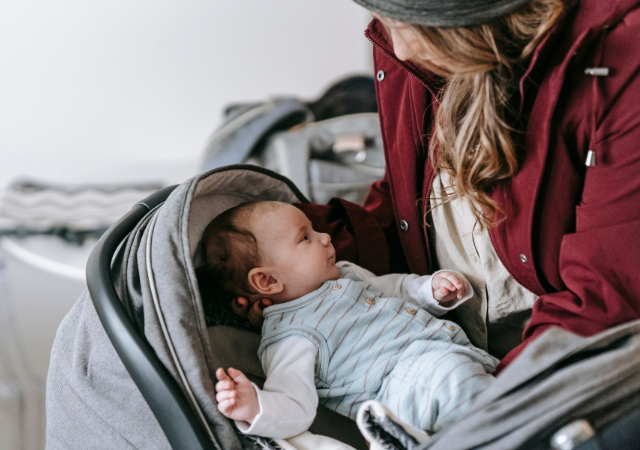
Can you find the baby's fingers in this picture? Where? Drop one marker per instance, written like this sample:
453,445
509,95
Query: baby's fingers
453,279
221,375
226,395
444,300
225,386
445,284
226,407
238,376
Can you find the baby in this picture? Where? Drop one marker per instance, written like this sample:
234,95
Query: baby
337,332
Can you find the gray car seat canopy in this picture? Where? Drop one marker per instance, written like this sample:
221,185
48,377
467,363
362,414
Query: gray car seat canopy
91,400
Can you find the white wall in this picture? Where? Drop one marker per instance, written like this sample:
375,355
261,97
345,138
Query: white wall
107,90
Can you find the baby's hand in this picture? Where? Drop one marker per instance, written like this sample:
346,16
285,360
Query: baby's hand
447,287
237,399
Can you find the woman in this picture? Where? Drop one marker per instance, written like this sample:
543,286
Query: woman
511,132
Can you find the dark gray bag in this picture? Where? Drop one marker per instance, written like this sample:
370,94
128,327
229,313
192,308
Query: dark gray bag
331,147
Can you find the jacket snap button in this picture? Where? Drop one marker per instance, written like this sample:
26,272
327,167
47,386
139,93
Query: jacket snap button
380,75
451,327
404,225
336,287
412,311
523,258
371,301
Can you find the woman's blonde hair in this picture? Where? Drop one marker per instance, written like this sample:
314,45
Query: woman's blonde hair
477,119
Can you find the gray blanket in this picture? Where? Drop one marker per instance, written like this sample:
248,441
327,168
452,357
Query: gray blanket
560,377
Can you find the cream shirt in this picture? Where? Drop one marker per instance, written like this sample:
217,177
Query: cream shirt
500,308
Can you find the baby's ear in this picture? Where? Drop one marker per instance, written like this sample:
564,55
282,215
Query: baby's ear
261,280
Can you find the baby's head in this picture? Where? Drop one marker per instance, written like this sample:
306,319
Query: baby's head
267,249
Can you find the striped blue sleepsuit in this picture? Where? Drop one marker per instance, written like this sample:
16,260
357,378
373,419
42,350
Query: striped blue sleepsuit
371,346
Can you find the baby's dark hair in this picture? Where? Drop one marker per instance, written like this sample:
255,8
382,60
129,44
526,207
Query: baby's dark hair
230,250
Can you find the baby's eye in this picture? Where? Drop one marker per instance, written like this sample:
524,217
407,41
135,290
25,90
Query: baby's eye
305,238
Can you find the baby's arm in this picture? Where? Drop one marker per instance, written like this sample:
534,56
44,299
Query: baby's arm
288,402
421,290
447,286
236,397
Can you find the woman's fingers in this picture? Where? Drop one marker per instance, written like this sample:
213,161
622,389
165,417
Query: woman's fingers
240,306
264,303
255,312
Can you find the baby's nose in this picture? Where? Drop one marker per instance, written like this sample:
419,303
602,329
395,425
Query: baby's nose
325,238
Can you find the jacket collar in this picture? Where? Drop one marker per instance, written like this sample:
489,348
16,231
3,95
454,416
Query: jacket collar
378,36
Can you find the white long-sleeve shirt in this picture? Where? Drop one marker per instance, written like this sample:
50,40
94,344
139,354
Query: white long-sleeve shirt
288,400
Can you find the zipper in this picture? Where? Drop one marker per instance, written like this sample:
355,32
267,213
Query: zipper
417,77
399,64
430,185
427,199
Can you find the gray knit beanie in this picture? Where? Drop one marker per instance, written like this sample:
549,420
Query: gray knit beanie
443,13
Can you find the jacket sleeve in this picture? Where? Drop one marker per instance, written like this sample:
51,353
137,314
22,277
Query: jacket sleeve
600,261
365,235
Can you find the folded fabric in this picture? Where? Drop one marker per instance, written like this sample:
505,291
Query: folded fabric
28,207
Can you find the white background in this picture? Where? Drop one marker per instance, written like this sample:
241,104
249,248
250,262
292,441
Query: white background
112,90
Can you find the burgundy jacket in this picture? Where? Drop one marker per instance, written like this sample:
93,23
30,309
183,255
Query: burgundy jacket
572,232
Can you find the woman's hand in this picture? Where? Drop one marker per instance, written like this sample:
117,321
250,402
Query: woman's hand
237,399
242,307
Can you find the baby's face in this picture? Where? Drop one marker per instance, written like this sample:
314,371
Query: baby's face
301,258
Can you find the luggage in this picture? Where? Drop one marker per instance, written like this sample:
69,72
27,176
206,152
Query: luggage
331,147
